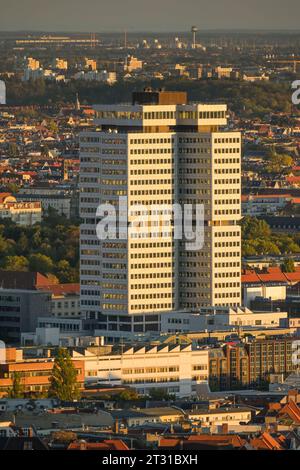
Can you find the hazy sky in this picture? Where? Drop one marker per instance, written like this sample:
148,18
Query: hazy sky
151,15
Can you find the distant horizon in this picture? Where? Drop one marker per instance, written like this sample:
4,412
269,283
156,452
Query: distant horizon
144,16
129,31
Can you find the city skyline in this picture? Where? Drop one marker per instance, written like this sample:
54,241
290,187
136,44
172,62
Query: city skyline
135,17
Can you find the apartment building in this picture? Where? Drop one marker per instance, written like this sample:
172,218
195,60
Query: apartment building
32,63
60,64
64,201
250,365
65,301
159,151
132,64
21,212
90,64
176,369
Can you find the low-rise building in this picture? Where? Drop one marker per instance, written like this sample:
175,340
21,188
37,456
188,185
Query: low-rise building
176,369
133,417
20,310
220,416
65,299
63,201
272,291
34,373
216,318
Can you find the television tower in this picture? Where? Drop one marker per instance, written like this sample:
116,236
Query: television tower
194,31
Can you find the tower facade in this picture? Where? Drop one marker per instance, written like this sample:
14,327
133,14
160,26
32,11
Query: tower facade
159,151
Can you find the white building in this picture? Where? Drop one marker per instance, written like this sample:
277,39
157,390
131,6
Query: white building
274,291
99,76
256,205
178,369
219,416
20,212
63,201
59,335
220,318
160,150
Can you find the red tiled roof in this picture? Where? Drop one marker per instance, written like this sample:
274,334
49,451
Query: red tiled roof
235,440
273,274
266,442
293,179
3,196
250,276
109,444
272,277
61,289
168,442
292,410
293,277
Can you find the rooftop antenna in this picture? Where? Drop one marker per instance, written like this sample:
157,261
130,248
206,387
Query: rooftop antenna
77,103
125,39
93,40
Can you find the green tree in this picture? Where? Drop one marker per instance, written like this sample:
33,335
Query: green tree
40,263
128,395
53,127
288,266
4,246
64,436
15,263
158,394
63,383
12,188
277,163
65,272
22,244
17,389
13,150
266,247
253,228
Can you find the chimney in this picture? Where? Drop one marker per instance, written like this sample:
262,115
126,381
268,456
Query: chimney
224,428
292,396
116,426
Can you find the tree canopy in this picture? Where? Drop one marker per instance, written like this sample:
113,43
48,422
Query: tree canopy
17,390
258,239
51,248
63,383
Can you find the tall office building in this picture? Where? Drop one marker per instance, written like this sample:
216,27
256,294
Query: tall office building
159,150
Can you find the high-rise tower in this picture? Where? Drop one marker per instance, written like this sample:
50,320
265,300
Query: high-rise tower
194,30
159,150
